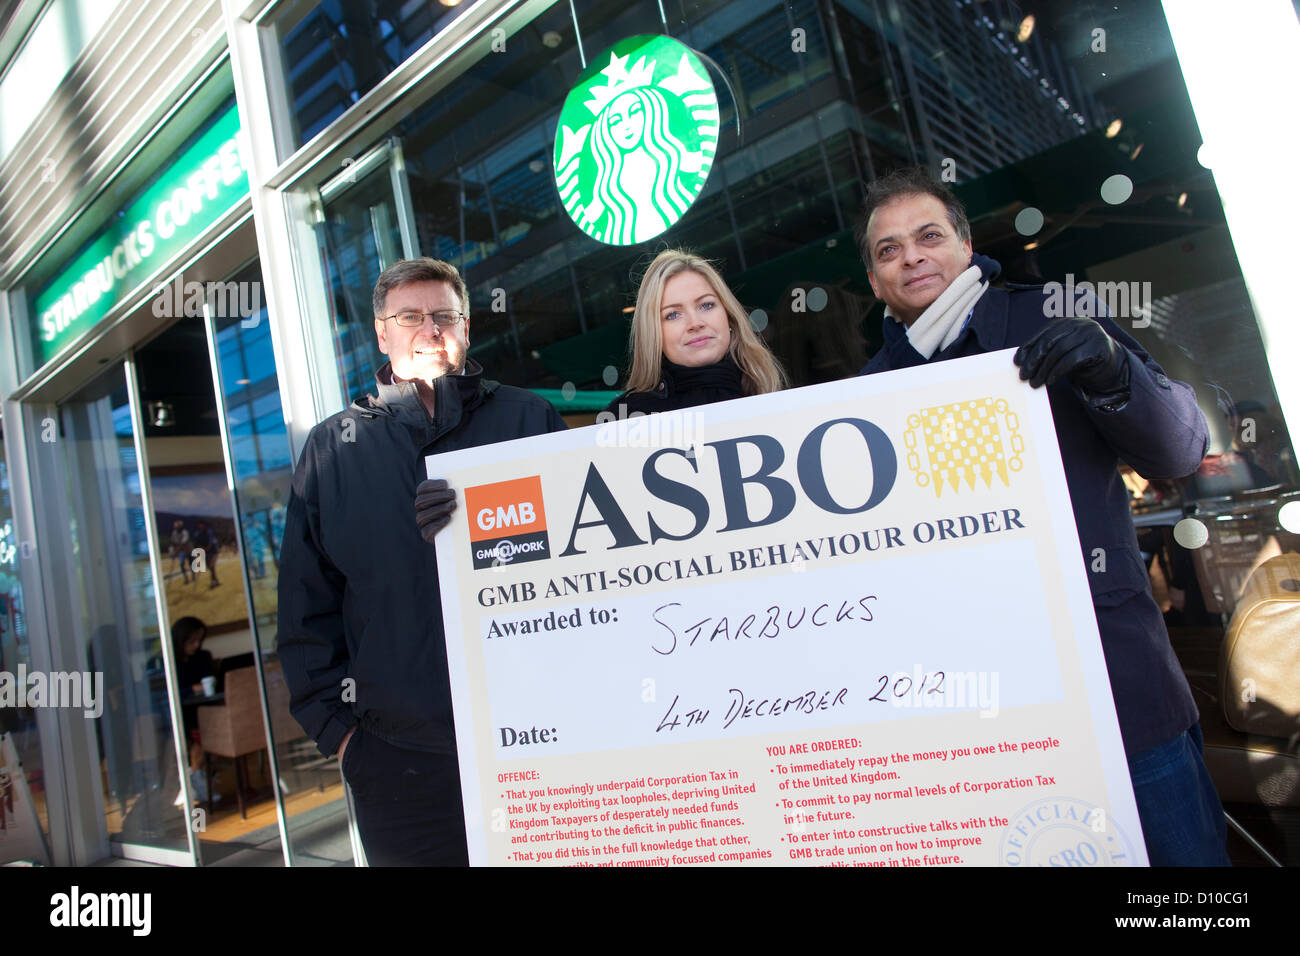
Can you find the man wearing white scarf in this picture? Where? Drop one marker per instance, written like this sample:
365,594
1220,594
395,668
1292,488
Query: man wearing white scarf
1110,401
941,323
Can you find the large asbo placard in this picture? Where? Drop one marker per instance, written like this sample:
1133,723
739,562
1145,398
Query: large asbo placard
842,624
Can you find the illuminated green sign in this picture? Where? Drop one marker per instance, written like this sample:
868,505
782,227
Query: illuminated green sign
636,140
189,196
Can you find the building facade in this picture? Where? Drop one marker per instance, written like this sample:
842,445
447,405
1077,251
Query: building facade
196,197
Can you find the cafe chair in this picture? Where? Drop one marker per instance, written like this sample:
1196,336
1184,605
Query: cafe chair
233,729
1251,716
286,731
1226,560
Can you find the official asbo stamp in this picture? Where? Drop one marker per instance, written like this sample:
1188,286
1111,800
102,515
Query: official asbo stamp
1063,831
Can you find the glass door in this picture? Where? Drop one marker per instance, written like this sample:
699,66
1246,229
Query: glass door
108,566
309,786
205,602
175,469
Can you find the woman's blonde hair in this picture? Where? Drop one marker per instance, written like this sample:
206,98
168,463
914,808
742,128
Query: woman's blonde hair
759,369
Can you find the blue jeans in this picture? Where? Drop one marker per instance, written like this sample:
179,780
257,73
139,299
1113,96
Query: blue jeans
1182,818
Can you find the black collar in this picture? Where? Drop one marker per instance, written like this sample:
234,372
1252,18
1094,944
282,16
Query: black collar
453,394
723,376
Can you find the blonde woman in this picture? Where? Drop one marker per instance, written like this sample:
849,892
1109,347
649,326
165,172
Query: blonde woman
691,343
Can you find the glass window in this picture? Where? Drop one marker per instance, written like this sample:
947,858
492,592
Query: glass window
335,52
360,238
1015,124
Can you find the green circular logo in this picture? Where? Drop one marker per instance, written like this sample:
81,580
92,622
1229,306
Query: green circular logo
636,140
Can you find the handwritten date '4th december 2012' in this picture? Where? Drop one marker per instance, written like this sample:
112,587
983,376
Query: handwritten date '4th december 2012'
743,706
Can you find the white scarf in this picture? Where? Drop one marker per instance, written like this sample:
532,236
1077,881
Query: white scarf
940,324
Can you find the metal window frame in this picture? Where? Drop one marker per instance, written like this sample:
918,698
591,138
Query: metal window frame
293,276
286,192
444,57
180,744
402,199
355,170
158,855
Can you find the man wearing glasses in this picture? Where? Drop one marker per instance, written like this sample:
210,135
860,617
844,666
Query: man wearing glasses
360,616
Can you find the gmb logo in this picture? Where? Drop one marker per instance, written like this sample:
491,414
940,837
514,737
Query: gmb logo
507,522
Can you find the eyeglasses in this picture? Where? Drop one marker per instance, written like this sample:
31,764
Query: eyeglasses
446,319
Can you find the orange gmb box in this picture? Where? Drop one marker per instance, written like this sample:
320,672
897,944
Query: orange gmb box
511,513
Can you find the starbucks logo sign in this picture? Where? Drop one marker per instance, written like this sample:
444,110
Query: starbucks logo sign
636,140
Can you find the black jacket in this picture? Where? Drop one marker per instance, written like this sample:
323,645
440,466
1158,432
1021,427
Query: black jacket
358,593
681,387
189,673
1161,432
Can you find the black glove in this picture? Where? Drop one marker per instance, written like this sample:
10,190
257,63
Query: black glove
434,503
1077,349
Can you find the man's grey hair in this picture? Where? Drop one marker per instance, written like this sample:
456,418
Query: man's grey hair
912,181
424,269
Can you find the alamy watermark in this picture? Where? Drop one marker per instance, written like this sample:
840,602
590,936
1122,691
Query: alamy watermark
224,300
928,687
55,689
74,908
1089,300
623,429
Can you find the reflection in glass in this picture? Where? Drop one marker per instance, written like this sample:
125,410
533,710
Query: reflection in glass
118,626
335,52
310,785
360,238
780,187
203,591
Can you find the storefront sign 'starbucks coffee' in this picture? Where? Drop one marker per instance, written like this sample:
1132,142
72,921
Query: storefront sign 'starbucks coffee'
636,140
189,196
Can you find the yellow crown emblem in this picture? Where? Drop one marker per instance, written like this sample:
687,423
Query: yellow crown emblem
963,441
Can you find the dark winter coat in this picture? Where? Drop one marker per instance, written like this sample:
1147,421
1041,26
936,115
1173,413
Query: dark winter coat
682,387
358,593
1161,433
